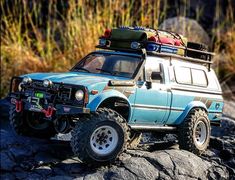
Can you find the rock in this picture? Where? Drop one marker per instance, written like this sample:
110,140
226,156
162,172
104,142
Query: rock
94,176
7,138
20,153
45,171
229,108
30,158
4,109
28,164
60,178
187,27
45,158
216,143
217,172
21,175
34,176
206,12
177,164
63,137
7,161
227,128
226,154
58,171
141,168
7,176
71,166
118,173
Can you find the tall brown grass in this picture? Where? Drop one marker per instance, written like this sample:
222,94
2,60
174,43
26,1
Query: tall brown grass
31,42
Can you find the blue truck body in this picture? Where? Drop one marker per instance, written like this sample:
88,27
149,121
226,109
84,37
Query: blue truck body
167,103
144,80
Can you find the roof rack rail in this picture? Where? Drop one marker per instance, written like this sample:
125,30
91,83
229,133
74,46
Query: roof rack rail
142,40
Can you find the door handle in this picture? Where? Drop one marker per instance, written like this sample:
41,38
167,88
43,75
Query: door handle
165,89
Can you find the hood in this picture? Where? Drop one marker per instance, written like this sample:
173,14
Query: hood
76,78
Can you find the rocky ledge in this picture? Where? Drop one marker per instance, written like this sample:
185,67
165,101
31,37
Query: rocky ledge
29,158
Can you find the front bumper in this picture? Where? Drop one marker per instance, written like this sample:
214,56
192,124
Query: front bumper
47,109
62,109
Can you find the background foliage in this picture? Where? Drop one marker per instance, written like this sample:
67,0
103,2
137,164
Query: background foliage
40,36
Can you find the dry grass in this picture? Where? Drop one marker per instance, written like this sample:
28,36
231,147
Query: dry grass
224,62
32,43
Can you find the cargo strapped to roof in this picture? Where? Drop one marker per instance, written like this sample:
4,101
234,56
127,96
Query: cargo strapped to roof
156,43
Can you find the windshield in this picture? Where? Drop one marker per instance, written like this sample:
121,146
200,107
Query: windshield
112,64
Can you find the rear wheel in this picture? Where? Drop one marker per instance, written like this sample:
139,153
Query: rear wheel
194,132
31,124
100,138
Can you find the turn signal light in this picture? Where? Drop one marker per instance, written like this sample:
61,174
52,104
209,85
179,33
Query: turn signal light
94,92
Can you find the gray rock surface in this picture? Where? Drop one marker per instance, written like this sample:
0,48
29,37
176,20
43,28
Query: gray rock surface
187,27
29,158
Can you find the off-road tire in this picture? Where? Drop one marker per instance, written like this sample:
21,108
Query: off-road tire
187,129
87,125
21,127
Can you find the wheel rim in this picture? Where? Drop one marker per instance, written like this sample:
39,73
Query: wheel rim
200,133
104,140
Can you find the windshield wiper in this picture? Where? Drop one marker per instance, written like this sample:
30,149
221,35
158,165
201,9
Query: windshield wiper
104,70
82,68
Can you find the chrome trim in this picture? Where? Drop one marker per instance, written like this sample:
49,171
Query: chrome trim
218,112
151,127
196,90
143,106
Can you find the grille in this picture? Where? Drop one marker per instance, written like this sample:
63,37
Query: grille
58,93
65,94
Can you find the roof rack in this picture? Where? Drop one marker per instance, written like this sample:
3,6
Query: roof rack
138,41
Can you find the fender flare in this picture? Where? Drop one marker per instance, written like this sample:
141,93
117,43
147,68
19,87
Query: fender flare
94,104
188,108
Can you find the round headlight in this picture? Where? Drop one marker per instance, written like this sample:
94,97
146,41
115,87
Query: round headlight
47,83
26,80
79,95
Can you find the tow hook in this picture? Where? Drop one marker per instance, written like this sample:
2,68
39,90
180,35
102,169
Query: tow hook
18,106
48,113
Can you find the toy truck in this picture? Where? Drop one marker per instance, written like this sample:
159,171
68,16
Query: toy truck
142,80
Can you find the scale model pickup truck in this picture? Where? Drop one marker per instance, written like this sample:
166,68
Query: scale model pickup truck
143,80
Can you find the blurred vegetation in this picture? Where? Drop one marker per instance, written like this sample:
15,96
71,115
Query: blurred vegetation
42,36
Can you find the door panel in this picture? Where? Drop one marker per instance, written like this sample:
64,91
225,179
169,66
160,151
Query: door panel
150,104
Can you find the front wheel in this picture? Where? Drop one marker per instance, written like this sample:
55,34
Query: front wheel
30,124
101,137
194,132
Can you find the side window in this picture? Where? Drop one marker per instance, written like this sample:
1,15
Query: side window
153,66
183,75
199,77
190,76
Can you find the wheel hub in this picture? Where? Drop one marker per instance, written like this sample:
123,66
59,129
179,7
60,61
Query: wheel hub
200,133
101,138
104,140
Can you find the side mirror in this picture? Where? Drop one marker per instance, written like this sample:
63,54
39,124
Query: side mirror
148,84
157,76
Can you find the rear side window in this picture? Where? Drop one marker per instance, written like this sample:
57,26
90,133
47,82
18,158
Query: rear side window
199,77
183,75
190,76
